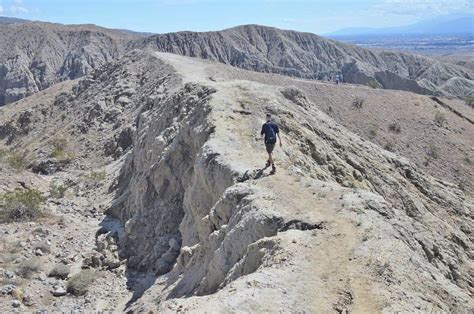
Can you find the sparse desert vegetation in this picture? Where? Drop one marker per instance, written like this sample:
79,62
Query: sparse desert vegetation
373,83
469,100
97,176
57,190
79,283
29,267
21,204
60,271
18,161
373,132
61,149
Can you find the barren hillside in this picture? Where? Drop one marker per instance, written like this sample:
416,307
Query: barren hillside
35,55
305,55
163,207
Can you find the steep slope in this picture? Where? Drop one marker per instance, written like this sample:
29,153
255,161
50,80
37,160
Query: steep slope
343,226
35,55
306,55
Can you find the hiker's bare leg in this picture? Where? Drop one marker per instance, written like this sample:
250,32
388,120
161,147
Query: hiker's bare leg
270,159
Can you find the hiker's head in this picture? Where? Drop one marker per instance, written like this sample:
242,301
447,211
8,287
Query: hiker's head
269,117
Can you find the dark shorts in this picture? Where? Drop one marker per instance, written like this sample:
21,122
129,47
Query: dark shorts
269,147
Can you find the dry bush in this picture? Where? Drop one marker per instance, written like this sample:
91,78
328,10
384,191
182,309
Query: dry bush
17,161
60,149
440,118
29,267
373,132
358,102
80,282
395,127
43,246
390,146
60,271
57,190
21,204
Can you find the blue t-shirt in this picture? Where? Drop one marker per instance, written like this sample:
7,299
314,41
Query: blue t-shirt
270,129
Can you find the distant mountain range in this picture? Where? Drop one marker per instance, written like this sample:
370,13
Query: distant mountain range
440,26
36,55
11,20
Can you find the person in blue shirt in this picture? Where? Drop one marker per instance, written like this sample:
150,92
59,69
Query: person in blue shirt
271,132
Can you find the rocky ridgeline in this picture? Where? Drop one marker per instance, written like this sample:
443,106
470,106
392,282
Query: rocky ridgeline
35,55
306,55
343,226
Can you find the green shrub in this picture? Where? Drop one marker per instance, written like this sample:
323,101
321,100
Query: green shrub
373,83
97,176
60,271
29,267
57,190
80,282
20,204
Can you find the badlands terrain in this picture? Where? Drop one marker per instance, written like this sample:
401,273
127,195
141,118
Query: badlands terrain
135,186
35,55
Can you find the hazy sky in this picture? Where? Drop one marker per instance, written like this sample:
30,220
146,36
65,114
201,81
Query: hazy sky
317,16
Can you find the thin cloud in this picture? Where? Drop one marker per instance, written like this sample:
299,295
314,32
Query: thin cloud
15,7
422,8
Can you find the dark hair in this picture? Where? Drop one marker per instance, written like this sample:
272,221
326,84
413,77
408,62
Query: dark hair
269,115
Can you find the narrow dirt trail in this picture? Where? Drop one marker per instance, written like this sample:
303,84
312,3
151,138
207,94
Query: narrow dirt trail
331,258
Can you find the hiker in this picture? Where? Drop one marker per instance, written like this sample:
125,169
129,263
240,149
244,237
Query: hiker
271,131
337,79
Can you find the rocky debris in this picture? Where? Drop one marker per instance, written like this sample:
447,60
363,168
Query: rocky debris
16,303
50,166
7,289
59,291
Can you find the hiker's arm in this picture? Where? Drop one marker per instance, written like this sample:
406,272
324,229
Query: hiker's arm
279,138
262,132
